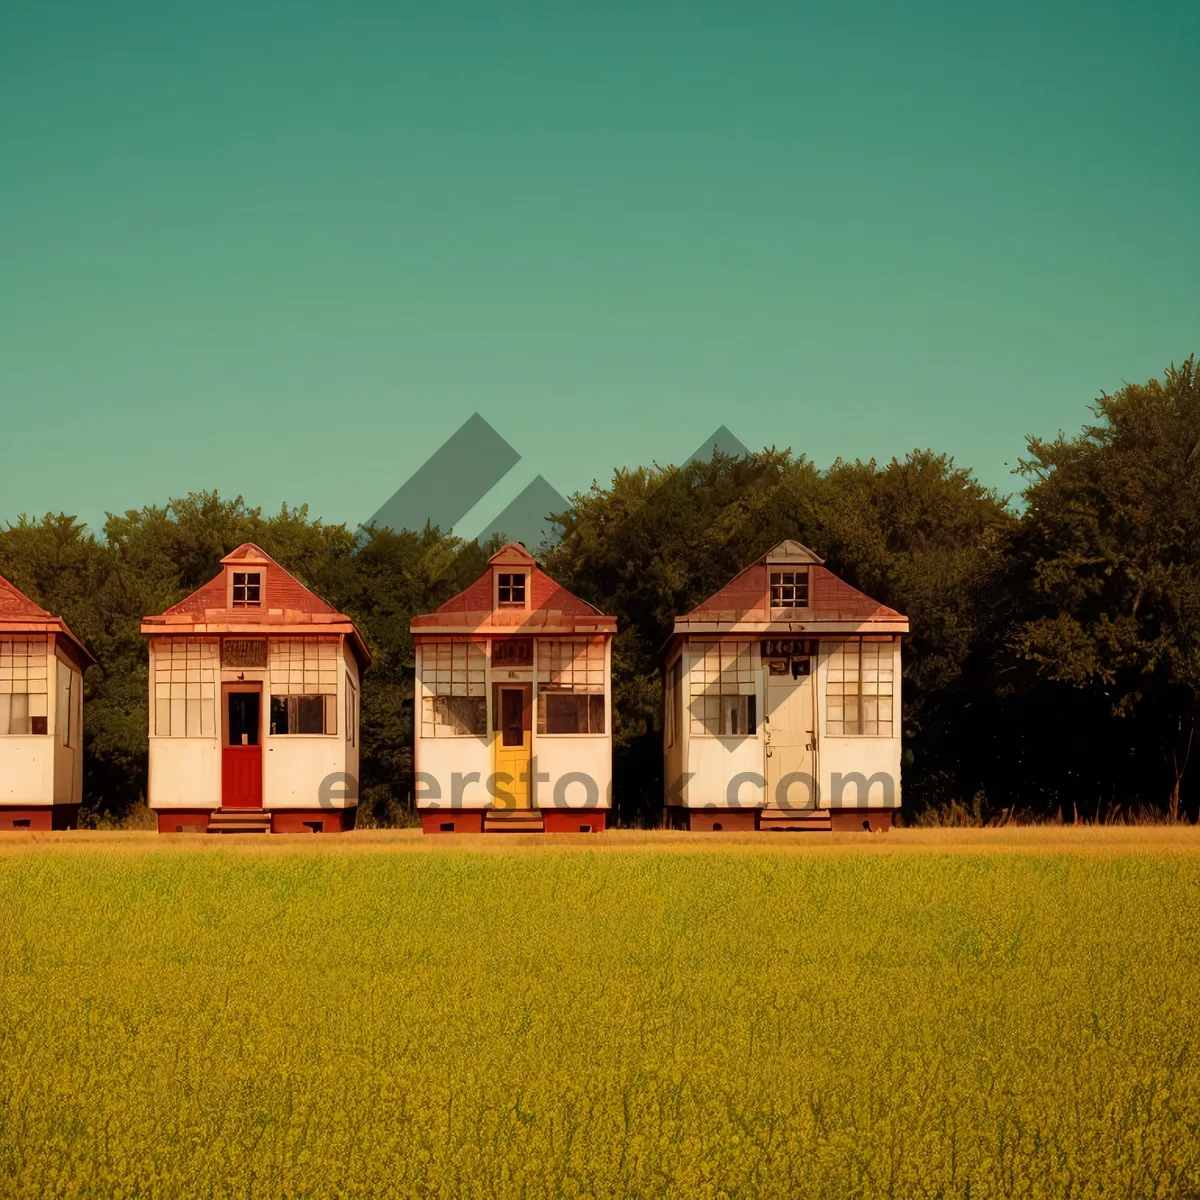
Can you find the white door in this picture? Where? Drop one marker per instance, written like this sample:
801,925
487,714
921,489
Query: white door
791,741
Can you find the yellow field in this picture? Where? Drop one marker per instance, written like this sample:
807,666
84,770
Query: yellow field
931,1013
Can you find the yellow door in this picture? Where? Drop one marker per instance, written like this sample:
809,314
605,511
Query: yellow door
513,744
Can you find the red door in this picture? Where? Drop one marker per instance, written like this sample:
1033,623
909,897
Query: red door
241,750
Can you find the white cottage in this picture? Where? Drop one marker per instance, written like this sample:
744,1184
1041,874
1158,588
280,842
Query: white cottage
41,716
782,703
254,705
513,720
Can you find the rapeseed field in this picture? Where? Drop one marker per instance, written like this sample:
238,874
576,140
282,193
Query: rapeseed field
618,1023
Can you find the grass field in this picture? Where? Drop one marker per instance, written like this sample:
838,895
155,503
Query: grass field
921,1014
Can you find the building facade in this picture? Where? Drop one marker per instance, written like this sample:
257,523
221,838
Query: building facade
254,705
513,706
782,703
41,716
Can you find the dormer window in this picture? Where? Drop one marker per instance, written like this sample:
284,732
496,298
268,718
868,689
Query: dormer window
789,589
247,589
510,589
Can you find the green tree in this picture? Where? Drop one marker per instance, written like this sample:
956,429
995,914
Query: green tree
1108,562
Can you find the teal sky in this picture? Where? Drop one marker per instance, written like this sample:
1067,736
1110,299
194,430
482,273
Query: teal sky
285,249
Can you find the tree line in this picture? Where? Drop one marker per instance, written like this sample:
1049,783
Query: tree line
1053,665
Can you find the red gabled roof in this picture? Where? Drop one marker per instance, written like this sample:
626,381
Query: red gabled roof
16,606
19,614
551,607
287,608
283,590
746,597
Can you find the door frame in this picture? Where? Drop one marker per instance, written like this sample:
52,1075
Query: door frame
526,690
228,689
813,746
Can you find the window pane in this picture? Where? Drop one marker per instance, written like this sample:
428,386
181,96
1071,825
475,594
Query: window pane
564,712
310,714
595,714
456,716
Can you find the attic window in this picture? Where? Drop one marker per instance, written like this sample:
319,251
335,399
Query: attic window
789,589
247,589
510,589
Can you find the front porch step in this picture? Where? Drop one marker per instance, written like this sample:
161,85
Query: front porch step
781,821
239,820
521,820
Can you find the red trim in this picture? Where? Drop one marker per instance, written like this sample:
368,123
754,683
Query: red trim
322,820
720,820
296,820
877,820
459,821
706,820
183,820
579,821
41,817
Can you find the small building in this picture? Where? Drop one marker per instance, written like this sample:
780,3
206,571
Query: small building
513,708
254,705
41,716
782,703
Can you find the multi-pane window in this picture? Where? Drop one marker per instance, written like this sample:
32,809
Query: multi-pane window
68,707
789,589
510,588
673,717
24,687
858,688
570,682
185,686
304,674
453,686
247,589
722,688
351,711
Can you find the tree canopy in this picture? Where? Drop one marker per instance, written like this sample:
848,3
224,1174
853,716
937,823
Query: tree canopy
1054,660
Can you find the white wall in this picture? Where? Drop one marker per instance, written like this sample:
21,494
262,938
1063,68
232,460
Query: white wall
443,758
561,755
715,761
450,762
863,755
184,773
27,769
297,767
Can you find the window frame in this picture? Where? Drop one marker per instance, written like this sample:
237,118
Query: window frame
192,664
449,667
575,665
246,585
782,572
27,675
738,679
583,699
673,707
329,707
516,579
839,648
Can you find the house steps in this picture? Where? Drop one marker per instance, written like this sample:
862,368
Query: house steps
782,821
525,820
239,820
